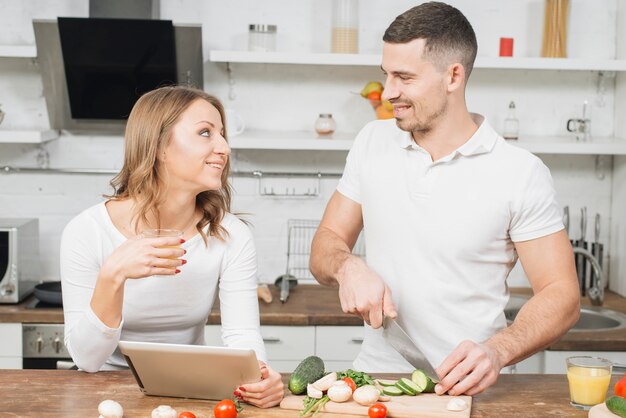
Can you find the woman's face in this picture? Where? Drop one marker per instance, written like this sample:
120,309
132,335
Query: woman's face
197,153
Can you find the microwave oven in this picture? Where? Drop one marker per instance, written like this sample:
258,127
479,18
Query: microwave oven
19,258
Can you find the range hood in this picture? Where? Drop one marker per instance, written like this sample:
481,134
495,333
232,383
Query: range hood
188,66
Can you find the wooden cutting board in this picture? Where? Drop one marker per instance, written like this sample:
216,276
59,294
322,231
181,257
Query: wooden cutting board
423,406
601,411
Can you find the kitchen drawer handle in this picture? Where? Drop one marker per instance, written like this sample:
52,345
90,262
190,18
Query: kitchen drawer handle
358,340
271,340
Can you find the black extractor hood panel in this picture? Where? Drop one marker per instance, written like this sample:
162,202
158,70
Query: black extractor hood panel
110,63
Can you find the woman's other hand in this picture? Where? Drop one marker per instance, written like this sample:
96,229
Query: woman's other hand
266,393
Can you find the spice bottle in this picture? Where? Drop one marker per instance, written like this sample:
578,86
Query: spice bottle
325,124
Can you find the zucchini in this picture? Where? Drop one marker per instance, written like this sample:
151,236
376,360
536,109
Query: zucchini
426,384
384,382
408,387
308,371
392,391
617,405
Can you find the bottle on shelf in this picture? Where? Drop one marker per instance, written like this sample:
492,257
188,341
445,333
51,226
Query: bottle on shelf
511,124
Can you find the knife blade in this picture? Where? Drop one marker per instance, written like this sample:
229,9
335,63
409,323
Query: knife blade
406,347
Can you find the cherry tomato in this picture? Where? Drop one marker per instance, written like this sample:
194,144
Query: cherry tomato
186,415
378,410
350,383
375,95
620,387
225,409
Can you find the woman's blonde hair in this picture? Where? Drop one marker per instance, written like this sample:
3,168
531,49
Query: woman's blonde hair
148,131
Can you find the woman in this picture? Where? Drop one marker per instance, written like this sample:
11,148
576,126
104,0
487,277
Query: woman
175,176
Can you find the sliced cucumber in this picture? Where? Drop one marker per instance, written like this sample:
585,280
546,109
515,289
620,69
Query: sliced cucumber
408,387
392,391
384,382
424,382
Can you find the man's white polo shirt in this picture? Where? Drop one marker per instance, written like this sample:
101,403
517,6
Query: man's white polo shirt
441,233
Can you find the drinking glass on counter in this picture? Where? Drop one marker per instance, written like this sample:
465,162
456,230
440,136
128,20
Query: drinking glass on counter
157,233
589,379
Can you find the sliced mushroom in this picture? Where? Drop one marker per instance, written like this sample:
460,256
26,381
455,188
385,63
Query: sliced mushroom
164,411
457,404
110,409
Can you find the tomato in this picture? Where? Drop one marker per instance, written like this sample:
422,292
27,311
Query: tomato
375,95
225,409
350,383
186,415
620,387
378,410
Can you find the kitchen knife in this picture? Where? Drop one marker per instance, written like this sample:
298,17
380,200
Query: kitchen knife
597,250
581,261
404,345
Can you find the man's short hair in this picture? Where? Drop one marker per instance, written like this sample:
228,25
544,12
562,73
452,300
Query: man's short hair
449,35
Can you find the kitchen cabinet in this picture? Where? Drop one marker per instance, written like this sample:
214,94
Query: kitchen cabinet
286,346
11,346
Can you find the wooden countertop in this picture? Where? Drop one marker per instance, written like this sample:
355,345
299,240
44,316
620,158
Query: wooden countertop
64,393
319,305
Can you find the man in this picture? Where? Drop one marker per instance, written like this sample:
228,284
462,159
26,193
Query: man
447,207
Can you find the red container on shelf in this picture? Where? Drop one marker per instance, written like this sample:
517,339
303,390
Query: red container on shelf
506,47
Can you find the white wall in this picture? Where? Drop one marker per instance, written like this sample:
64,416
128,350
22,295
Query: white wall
289,97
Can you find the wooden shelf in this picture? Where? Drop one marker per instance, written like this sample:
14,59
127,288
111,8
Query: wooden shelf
284,140
512,63
27,137
18,51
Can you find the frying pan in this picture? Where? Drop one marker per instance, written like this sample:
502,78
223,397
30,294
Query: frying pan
49,292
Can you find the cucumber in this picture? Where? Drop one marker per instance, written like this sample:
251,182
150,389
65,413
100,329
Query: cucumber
384,382
425,383
408,387
308,371
392,391
617,405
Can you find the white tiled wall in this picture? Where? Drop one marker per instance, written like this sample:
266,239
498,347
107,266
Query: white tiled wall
289,97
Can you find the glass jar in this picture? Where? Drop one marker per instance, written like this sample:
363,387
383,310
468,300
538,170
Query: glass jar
345,35
325,124
262,38
511,124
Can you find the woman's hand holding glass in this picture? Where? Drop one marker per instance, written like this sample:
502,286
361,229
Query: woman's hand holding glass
146,255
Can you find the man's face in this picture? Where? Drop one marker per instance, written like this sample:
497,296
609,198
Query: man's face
414,87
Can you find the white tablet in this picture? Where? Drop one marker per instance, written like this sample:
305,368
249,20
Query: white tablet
190,371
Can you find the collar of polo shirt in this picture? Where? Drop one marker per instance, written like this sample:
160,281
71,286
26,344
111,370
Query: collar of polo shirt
481,142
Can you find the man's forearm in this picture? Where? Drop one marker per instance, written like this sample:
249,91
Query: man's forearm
541,321
328,256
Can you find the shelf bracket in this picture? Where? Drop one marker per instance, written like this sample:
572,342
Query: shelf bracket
604,79
231,82
603,165
43,157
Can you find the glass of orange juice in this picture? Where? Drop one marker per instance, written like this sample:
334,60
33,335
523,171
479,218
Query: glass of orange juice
589,379
156,233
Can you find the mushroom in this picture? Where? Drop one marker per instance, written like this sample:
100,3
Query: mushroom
339,391
366,395
325,382
313,392
164,411
456,404
110,409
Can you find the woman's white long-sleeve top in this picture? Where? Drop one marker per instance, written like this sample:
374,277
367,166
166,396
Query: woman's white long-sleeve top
168,309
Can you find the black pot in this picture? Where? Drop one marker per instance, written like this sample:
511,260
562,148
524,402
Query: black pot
49,292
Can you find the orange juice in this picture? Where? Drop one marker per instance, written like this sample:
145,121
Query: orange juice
588,385
153,233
